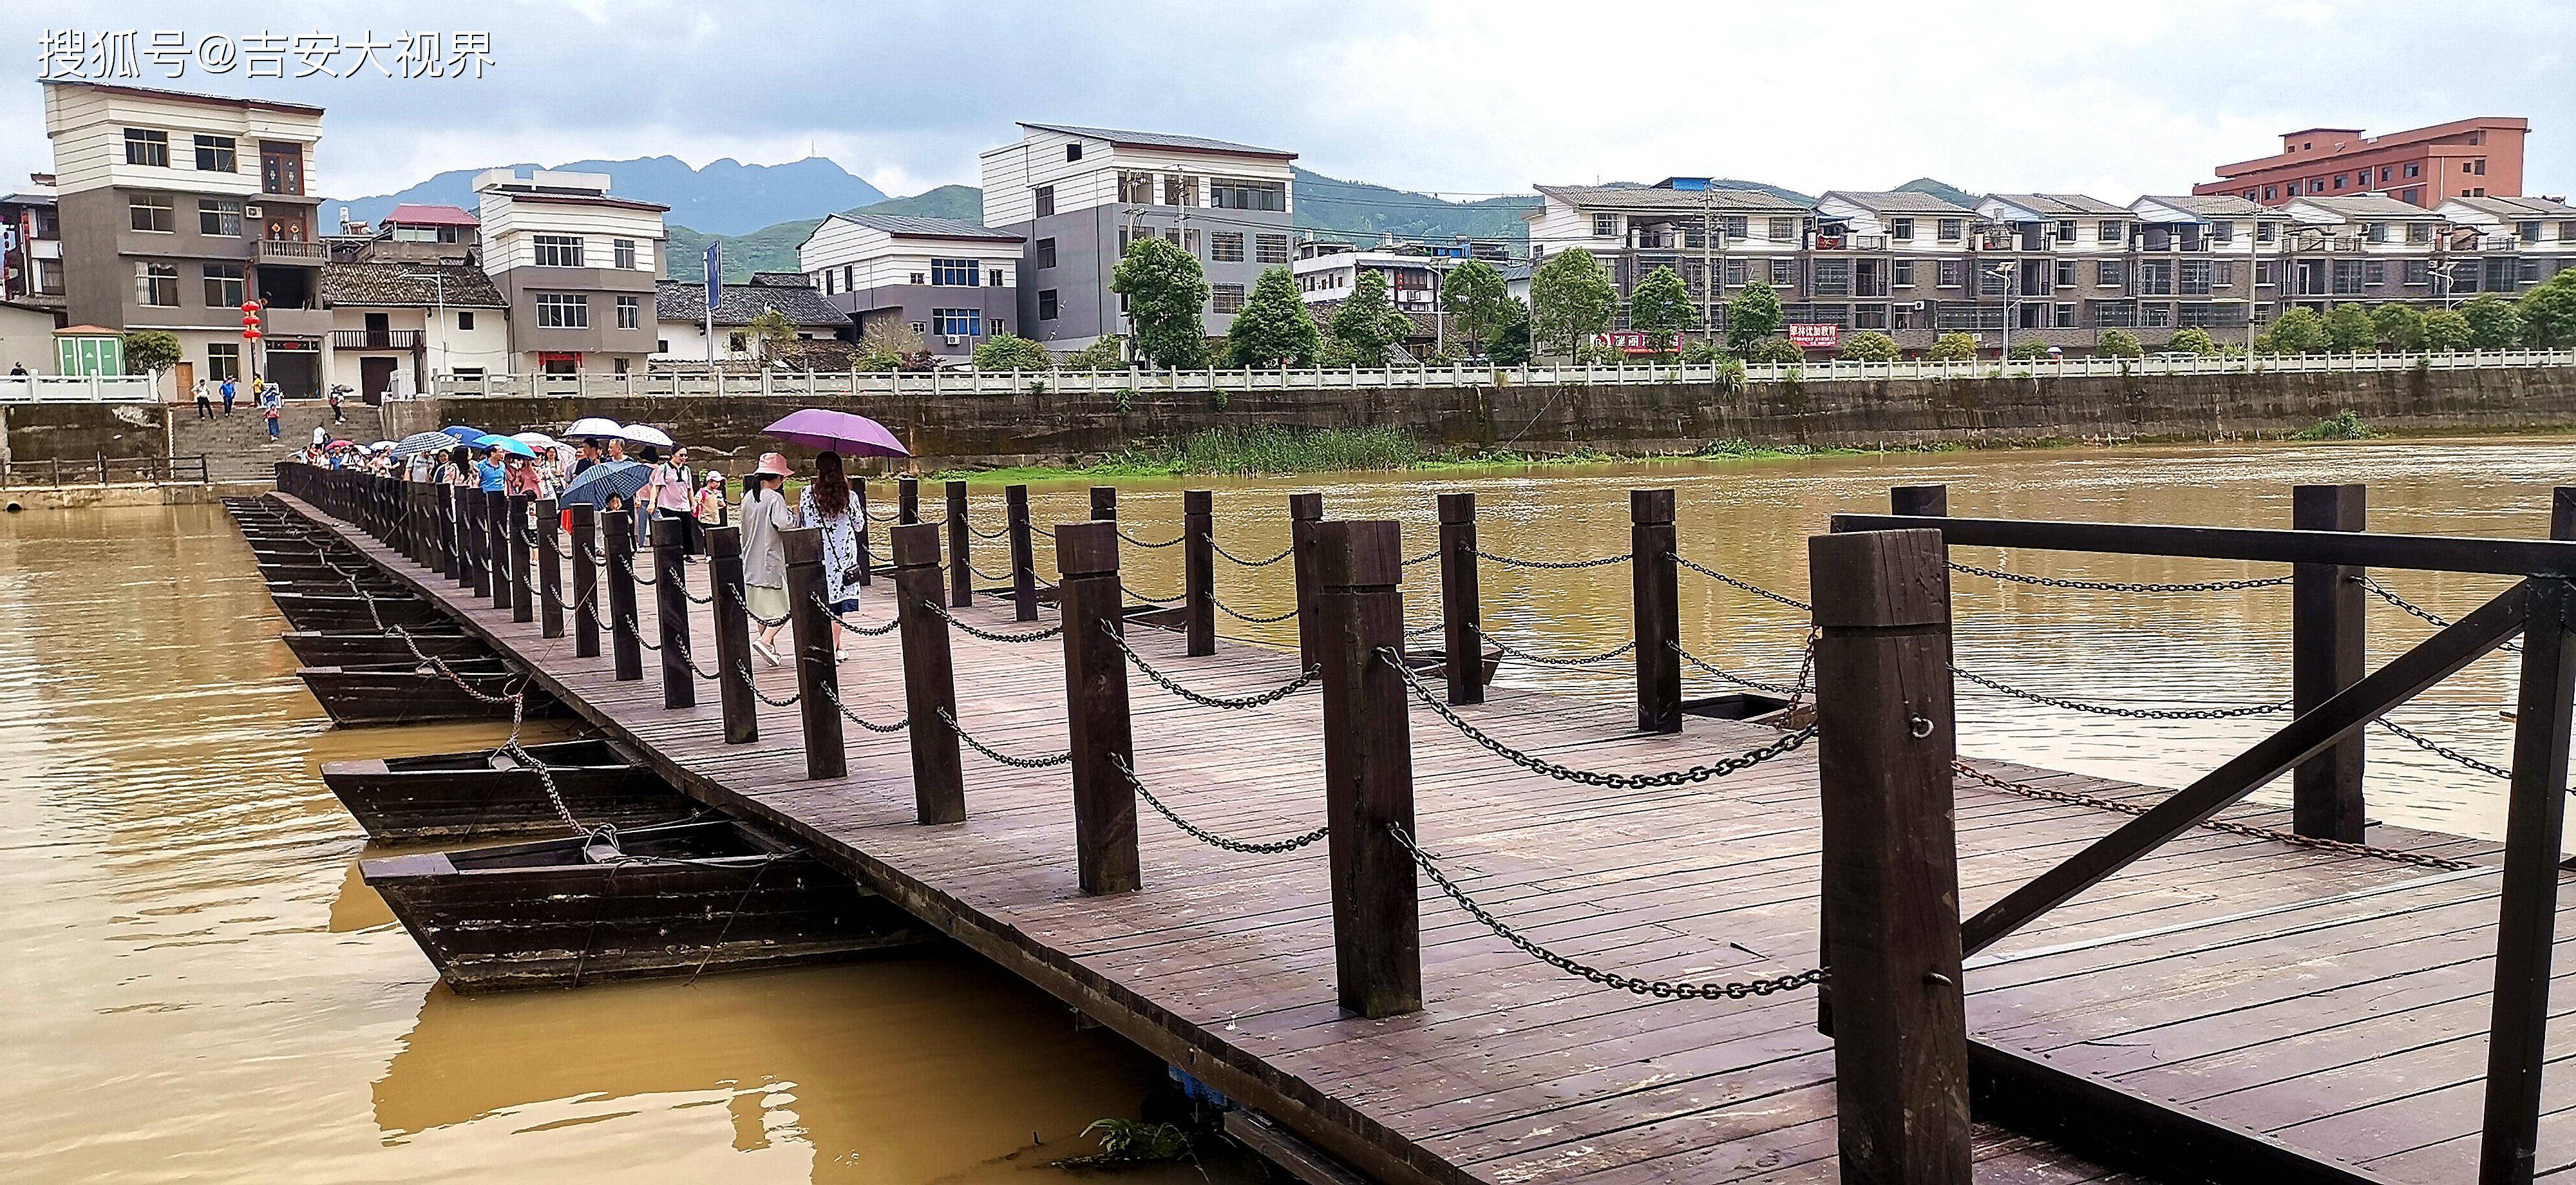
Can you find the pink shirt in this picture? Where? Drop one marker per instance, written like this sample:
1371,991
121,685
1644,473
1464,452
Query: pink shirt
670,487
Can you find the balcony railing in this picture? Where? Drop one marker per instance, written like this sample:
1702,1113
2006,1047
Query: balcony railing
1851,242
375,339
291,251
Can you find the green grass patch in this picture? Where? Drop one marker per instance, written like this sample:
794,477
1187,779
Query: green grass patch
2343,426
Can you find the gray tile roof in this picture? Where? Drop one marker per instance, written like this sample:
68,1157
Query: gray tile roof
410,285
1159,140
1657,198
680,300
2367,205
1900,201
2519,207
2060,205
926,226
2212,205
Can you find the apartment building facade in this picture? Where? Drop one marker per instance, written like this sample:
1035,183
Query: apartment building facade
577,266
1079,195
31,266
2423,167
951,283
177,209
682,334
1327,270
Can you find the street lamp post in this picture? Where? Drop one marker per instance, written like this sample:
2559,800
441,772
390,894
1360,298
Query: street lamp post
2010,274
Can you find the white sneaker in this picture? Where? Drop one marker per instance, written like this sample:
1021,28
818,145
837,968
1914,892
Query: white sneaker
766,654
840,656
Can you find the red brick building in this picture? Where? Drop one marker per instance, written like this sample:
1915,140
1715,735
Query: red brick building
2479,157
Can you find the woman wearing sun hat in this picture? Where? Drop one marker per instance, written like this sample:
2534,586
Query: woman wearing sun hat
764,554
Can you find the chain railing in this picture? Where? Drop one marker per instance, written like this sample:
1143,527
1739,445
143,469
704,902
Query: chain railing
2419,612
1746,585
1206,836
1133,595
1614,781
870,631
974,631
2248,830
1201,698
1550,660
1219,548
1251,619
2445,752
1513,561
1706,667
2121,586
1174,541
833,694
758,694
2057,701
996,755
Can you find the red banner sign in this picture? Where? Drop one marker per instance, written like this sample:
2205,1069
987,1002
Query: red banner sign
1816,337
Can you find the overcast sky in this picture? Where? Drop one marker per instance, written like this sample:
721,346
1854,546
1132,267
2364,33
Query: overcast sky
1468,98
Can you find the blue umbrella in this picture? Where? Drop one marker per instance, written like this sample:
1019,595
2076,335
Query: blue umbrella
423,442
508,444
463,434
622,478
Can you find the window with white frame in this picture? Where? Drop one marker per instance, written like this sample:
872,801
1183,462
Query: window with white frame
1605,226
1225,246
1950,230
563,310
223,285
957,322
223,361
219,217
1783,273
2106,273
156,284
622,251
1270,249
151,211
955,273
1136,189
2066,230
1045,201
144,146
2109,230
215,155
1226,298
1904,269
1949,273
556,250
1781,230
630,312
1901,229
1248,195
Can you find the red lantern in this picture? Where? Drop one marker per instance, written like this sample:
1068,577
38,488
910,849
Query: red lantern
251,334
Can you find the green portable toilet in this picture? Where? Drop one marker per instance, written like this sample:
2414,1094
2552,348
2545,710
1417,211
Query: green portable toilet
90,351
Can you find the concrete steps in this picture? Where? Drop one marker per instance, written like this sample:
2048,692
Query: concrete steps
237,446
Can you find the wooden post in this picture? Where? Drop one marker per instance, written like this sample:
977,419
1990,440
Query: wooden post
1368,768
1024,564
671,611
961,553
1095,692
733,635
907,493
585,581
818,678
1104,503
1304,511
550,615
442,505
929,679
1654,593
523,602
1933,500
496,545
867,560
626,649
1885,740
1198,570
1461,613
2526,929
477,541
2328,620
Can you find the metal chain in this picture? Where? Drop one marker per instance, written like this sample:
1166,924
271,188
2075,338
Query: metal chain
1552,565
2412,609
990,636
1748,586
633,627
1205,836
895,516
754,685
1698,773
1739,680
2245,829
870,631
833,694
691,661
1424,558
1658,988
1064,758
2119,585
765,623
1174,599
1204,700
1433,628
1550,660
1248,619
981,533
1122,533
2107,710
981,574
2443,751
1220,550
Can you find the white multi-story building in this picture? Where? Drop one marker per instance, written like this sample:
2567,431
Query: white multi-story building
2540,232
1327,270
577,266
952,283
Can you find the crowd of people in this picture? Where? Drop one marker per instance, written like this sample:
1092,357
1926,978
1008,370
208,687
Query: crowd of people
672,491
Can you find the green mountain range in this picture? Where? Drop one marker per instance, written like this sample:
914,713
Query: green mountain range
773,248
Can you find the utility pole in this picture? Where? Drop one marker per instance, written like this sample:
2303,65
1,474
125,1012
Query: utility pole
1707,259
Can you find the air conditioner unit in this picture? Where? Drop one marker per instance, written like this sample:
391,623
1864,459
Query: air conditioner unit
955,340
250,211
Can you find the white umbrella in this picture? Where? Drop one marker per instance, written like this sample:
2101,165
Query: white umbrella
597,427
645,434
537,439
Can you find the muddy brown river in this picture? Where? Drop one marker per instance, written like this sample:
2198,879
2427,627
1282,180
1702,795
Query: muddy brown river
197,986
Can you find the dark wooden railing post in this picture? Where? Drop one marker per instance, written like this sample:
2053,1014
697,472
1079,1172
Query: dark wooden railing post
733,635
907,496
442,505
585,581
1024,563
472,538
671,611
1095,691
1304,511
1461,613
961,551
2328,623
1104,503
929,677
550,617
1931,500
617,538
523,602
496,545
1654,593
1198,570
866,538
1368,768
1885,740
2534,819
818,678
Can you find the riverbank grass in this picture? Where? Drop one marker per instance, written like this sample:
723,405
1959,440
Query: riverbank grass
1273,450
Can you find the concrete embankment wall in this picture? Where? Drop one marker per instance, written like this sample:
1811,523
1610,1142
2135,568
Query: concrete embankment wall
68,432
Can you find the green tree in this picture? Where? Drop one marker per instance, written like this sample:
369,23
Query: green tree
1958,347
773,331
2399,327
151,351
1365,324
2189,341
2549,313
2299,331
1509,343
2120,343
2446,331
1274,329
1662,307
1108,353
1165,289
2027,350
1474,296
1754,314
1570,299
1775,349
2494,324
2349,329
1004,351
1869,345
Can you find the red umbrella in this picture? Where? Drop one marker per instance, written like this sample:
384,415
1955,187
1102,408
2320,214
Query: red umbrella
843,432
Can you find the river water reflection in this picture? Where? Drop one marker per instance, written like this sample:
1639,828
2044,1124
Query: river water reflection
198,987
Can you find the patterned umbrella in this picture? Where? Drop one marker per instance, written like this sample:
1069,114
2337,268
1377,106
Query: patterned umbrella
423,442
622,478
463,434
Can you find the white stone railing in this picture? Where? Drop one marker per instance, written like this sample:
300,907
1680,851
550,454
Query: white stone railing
48,388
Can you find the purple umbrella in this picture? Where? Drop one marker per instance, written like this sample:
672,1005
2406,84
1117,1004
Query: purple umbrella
843,432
